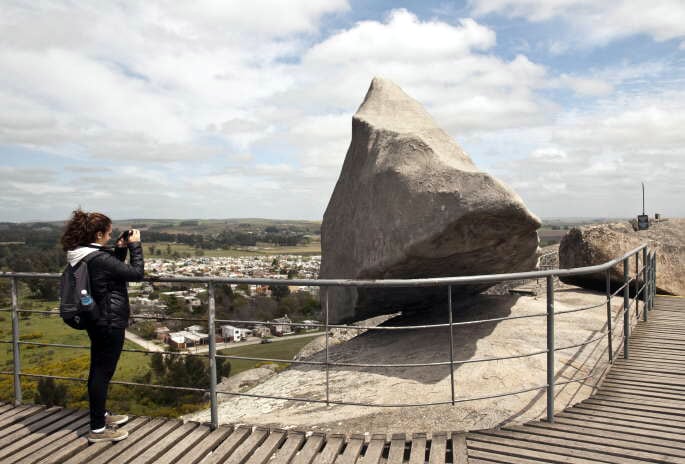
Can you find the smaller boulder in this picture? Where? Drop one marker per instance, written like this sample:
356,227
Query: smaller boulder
597,244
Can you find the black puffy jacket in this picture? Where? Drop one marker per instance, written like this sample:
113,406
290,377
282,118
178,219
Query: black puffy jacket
108,276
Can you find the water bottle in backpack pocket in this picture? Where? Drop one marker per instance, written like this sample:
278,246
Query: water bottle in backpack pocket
76,304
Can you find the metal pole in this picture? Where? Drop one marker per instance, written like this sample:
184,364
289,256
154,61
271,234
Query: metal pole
610,333
550,349
15,344
327,366
645,284
637,285
626,305
449,304
212,358
655,273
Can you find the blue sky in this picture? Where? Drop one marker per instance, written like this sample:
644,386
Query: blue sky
231,109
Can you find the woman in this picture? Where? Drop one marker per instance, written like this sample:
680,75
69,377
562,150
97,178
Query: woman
87,234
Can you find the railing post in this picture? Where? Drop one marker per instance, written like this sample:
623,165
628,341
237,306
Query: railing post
550,349
645,284
328,395
655,271
15,343
214,407
449,305
637,283
610,332
626,305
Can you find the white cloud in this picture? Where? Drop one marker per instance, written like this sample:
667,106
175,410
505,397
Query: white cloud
586,86
598,22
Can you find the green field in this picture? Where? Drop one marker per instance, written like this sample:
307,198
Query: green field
282,349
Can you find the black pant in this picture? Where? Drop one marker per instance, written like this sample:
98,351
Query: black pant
105,347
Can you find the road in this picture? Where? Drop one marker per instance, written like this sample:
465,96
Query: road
150,346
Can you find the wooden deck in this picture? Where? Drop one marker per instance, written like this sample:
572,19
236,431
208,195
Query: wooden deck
637,416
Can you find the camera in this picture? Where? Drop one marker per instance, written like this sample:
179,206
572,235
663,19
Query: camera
125,235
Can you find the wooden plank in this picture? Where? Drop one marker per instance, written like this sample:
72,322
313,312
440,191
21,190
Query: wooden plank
113,454
42,450
674,414
268,448
353,448
181,447
477,456
245,450
331,450
151,453
68,450
620,436
595,410
613,418
310,449
398,444
229,445
20,429
641,399
206,445
293,442
96,450
374,451
37,441
572,442
28,440
5,407
612,389
517,455
418,449
544,450
460,452
438,448
642,386
16,414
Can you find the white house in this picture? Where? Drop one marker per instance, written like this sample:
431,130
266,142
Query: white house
231,333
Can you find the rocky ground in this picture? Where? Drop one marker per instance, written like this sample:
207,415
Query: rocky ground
401,385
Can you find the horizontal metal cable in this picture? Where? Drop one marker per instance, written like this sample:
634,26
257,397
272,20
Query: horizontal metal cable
575,380
602,304
429,282
112,382
599,337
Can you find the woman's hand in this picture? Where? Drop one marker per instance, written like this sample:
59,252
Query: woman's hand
135,236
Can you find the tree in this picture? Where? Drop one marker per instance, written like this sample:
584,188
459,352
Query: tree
44,289
152,249
279,291
51,394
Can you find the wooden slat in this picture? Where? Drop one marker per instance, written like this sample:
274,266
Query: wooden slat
47,431
460,452
310,449
571,442
131,452
607,418
374,450
68,450
544,450
206,445
40,450
24,427
478,456
331,450
418,449
292,444
269,447
182,447
151,453
229,445
16,414
96,450
352,450
438,449
614,438
398,443
245,450
5,407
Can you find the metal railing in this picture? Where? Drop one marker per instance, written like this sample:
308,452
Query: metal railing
644,286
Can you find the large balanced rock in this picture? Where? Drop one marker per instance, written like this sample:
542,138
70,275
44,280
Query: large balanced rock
597,244
410,203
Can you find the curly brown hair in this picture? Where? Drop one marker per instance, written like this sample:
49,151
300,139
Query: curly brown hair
82,229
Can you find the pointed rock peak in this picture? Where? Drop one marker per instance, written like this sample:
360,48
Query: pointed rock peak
387,105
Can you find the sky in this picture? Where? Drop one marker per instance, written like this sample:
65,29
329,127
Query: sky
223,108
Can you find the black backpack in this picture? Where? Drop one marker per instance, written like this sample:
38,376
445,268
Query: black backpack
76,303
